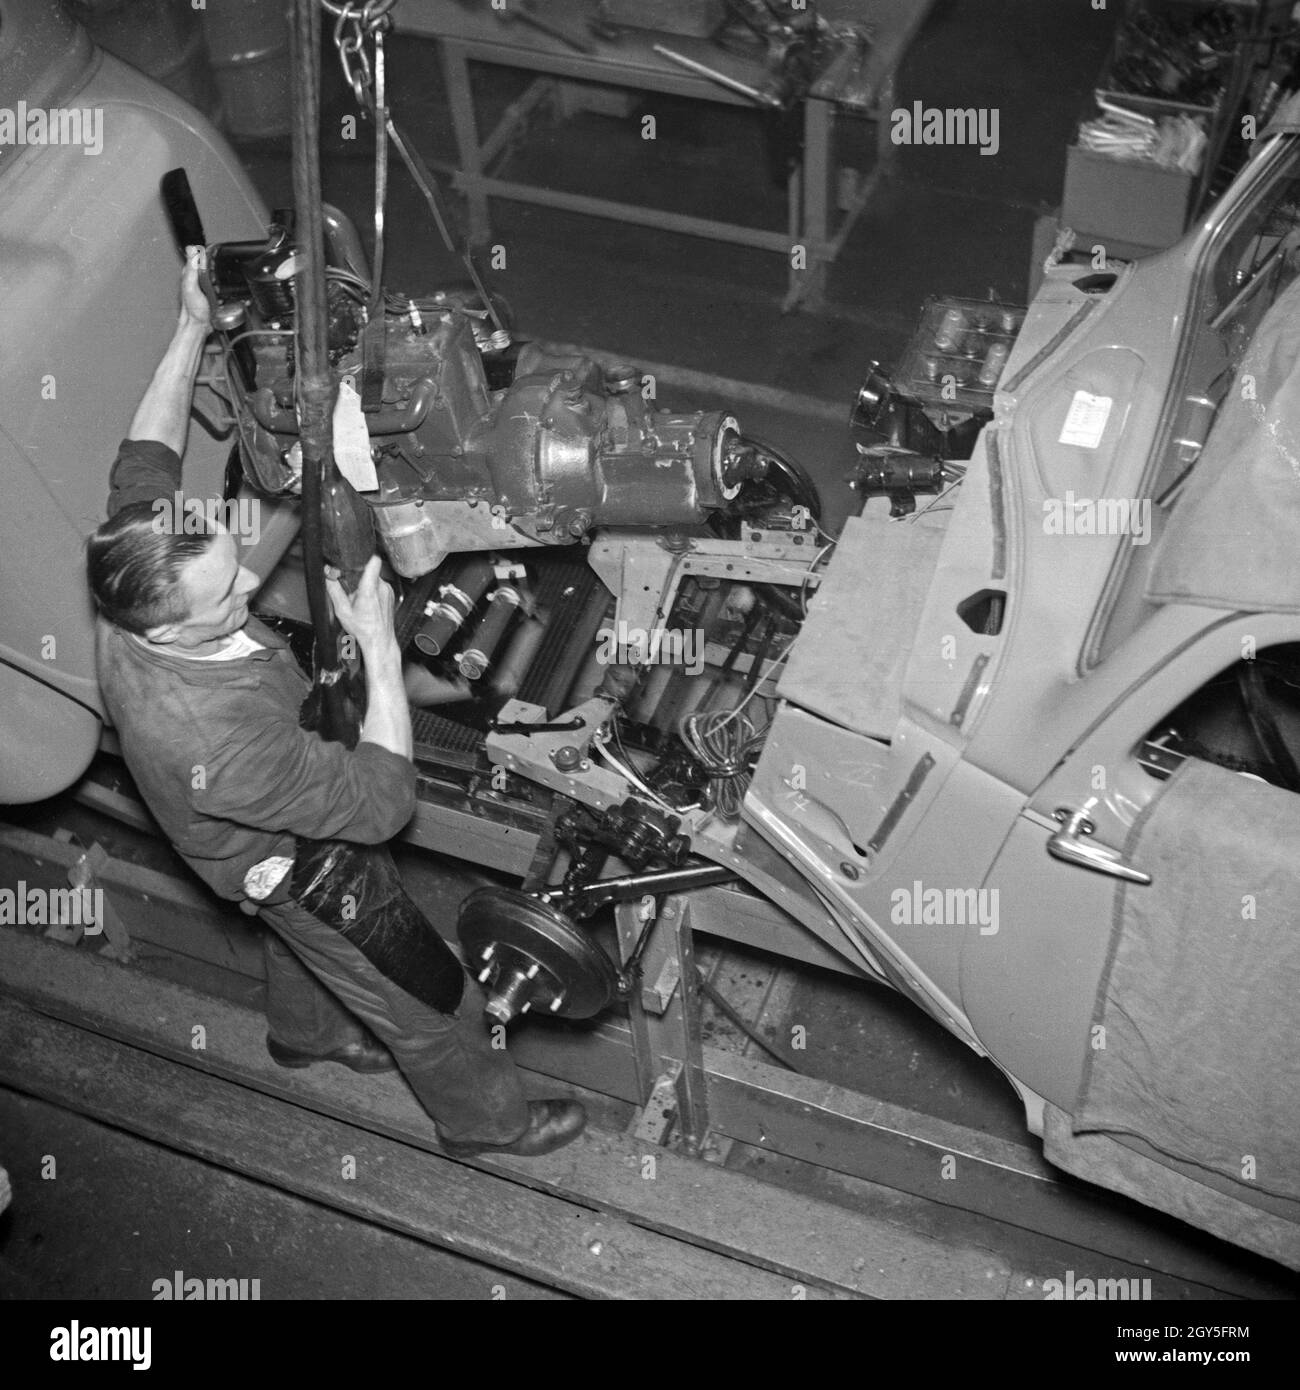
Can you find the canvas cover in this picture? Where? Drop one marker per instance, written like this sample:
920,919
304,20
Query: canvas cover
1268,1225
1232,539
851,656
1200,998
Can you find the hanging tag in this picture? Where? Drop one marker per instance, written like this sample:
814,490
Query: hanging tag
352,440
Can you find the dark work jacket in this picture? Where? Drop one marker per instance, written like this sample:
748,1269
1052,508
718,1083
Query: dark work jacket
215,746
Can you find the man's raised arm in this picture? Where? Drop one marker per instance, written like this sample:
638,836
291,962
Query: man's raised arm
148,464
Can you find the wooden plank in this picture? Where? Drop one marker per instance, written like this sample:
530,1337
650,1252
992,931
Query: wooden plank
438,1201
821,1123
803,1240
177,891
805,1119
187,922
117,804
157,909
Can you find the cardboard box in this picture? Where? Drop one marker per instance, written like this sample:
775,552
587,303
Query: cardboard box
1129,199
1179,11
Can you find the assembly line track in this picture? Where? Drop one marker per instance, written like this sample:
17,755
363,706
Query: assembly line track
607,1217
728,1234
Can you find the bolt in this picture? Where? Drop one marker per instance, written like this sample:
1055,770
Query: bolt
556,1002
528,1004
850,871
533,970
483,974
566,758
488,951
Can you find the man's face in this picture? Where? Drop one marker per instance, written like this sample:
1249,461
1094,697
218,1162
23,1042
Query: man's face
217,588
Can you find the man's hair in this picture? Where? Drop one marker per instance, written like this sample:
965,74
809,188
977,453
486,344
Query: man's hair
134,568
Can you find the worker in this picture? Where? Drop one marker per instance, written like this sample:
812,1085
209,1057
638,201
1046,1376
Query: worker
205,700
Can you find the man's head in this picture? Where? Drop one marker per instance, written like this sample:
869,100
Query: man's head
168,586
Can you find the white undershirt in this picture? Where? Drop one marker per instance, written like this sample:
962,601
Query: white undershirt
240,644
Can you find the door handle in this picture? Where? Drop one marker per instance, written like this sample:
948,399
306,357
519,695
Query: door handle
1198,416
1068,844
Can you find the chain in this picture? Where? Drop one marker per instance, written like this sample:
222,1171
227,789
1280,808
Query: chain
373,13
368,21
354,24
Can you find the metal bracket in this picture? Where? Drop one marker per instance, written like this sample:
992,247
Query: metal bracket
654,1121
558,759
655,998
667,1042
645,577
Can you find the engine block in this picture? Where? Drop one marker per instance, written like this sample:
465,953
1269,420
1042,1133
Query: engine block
475,450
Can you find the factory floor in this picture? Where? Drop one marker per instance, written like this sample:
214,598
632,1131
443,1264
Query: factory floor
947,220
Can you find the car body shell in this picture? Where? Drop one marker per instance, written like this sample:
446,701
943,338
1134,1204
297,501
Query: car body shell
87,301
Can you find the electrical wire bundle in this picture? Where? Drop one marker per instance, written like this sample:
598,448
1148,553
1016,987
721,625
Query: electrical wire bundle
726,742
723,749
352,283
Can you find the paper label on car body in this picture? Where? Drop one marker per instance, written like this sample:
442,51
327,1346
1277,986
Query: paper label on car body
352,440
1085,421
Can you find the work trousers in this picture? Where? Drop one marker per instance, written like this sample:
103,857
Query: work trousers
322,992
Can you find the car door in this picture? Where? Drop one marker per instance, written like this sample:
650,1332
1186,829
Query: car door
1030,988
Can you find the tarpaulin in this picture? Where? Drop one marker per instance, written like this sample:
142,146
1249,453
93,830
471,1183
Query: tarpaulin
851,656
1232,539
1199,1003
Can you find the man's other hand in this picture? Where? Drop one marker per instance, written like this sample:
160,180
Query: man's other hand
368,614
194,302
